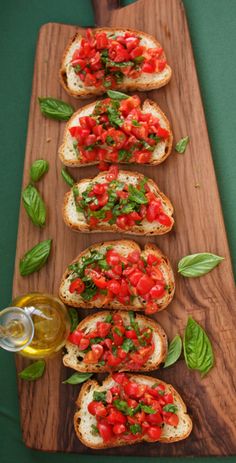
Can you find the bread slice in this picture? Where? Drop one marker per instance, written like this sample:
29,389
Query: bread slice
73,85
77,220
83,420
69,157
124,247
74,357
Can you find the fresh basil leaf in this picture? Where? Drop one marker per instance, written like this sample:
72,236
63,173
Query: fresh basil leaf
94,430
124,155
55,109
77,378
180,147
33,371
196,265
67,177
148,409
38,169
123,407
174,351
74,318
135,428
100,396
121,64
103,264
128,345
198,351
117,331
96,340
136,195
117,95
170,408
108,319
34,205
35,258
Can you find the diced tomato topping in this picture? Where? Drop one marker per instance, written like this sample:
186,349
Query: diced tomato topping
75,337
77,286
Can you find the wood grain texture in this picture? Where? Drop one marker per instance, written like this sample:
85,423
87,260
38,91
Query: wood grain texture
47,406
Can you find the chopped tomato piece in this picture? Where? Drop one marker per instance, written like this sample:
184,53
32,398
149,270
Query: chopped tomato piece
77,286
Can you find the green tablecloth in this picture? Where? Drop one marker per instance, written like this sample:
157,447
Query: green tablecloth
213,33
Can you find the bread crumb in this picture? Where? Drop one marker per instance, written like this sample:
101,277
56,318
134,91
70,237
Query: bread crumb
48,140
197,185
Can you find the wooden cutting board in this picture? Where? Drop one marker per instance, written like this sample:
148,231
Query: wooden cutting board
47,406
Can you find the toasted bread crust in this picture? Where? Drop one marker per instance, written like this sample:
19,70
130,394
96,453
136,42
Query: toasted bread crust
132,246
129,86
77,162
153,364
94,385
105,226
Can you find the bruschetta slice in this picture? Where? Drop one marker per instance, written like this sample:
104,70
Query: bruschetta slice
117,130
127,409
118,201
113,58
119,275
117,341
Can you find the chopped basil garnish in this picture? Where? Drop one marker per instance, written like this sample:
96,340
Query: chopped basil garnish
100,396
135,428
170,408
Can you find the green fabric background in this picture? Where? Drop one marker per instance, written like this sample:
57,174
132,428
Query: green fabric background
213,33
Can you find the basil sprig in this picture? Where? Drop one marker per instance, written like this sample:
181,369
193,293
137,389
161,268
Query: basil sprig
67,177
55,109
34,205
117,95
35,258
170,408
196,265
74,318
38,169
174,351
198,351
77,378
33,371
180,147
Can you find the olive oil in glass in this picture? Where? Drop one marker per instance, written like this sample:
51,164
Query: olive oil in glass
36,325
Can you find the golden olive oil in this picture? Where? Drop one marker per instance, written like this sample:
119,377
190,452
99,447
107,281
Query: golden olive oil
51,323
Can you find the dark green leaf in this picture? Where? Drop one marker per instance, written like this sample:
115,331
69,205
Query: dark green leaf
38,169
123,407
136,195
108,319
180,147
117,95
55,109
96,340
128,345
174,351
196,265
100,396
35,258
121,64
74,318
34,205
94,429
147,409
33,371
170,408
67,177
117,331
135,428
198,351
77,378
124,155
